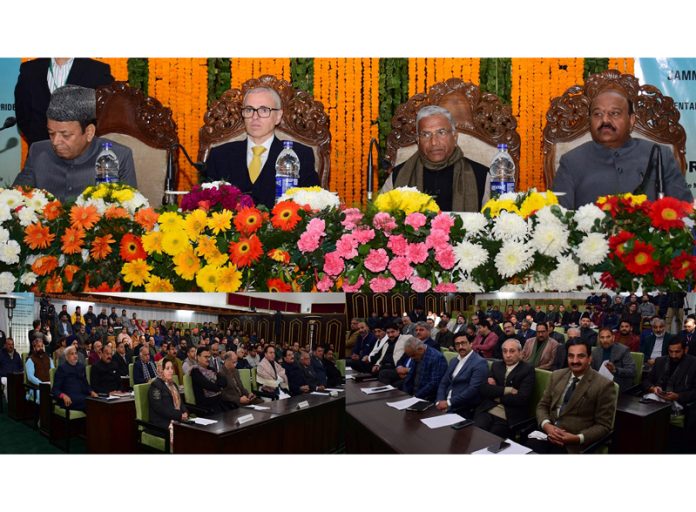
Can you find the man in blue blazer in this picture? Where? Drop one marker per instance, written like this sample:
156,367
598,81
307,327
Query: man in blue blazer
425,371
460,385
250,164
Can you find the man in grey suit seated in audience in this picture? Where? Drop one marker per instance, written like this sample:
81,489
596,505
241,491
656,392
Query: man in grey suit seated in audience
616,357
234,394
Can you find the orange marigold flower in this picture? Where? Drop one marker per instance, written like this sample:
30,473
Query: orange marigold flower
54,284
73,240
132,248
38,236
101,247
277,285
84,217
248,220
69,272
246,251
116,212
44,265
285,216
147,218
52,210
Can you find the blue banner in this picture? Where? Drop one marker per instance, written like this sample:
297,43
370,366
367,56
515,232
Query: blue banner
10,142
676,78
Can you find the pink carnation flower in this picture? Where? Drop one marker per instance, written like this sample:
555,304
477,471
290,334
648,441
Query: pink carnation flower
382,284
355,287
398,245
417,253
333,263
353,216
308,242
324,284
419,284
363,235
346,246
317,226
445,257
401,268
384,221
443,222
376,260
445,288
415,220
437,239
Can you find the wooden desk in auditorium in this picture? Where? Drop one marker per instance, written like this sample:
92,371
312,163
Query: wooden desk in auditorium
374,427
354,395
640,428
280,429
111,425
17,406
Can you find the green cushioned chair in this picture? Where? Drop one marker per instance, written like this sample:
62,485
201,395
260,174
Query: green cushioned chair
190,397
341,365
130,375
245,377
449,355
148,440
541,380
254,384
602,445
638,358
89,375
68,416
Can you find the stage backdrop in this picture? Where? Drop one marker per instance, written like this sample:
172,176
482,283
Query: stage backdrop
676,78
10,148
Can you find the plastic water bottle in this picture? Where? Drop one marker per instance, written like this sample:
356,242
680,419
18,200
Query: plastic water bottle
287,169
107,165
502,172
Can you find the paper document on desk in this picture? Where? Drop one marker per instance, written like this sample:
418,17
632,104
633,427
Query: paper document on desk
258,407
349,376
604,371
442,421
337,390
283,395
513,449
319,393
676,406
112,397
203,421
404,404
377,389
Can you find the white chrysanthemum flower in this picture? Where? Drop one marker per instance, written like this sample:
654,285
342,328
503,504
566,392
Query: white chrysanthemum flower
513,257
593,249
315,197
9,252
550,239
512,288
4,235
37,201
510,226
5,212
12,198
28,278
138,201
99,204
469,286
566,277
469,256
509,196
586,216
27,216
473,222
7,282
546,216
214,184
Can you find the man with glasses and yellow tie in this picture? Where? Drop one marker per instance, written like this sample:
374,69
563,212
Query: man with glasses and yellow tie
439,168
250,164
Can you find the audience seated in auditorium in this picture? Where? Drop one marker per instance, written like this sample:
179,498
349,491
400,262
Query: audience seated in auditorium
360,358
165,404
271,375
673,377
317,360
540,351
333,374
444,337
70,384
207,385
654,344
105,376
485,342
586,332
425,371
234,394
10,362
191,361
616,357
144,370
626,337
313,380
38,366
458,390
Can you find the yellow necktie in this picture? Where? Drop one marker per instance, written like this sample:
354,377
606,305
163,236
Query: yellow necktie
255,165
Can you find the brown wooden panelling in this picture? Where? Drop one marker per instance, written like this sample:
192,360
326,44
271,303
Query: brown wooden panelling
395,304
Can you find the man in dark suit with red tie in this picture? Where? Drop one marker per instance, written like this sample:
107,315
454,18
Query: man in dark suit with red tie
38,78
250,164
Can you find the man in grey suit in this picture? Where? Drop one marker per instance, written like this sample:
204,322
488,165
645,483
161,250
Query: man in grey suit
616,357
577,407
613,162
459,388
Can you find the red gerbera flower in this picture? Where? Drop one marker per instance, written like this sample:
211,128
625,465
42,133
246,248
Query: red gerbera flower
132,248
277,285
608,204
616,243
640,260
246,251
682,265
285,216
608,281
668,213
248,220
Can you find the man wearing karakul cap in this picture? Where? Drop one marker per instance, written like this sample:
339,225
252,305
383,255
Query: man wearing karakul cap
65,164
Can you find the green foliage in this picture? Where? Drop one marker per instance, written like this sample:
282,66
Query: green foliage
219,78
302,74
594,65
393,91
138,70
495,76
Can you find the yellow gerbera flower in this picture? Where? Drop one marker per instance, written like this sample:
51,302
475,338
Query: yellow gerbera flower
186,264
152,241
157,285
173,242
123,195
217,258
207,278
136,272
170,221
195,222
220,221
207,246
229,279
532,203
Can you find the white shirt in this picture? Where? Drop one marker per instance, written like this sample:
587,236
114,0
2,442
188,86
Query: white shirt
264,156
457,369
58,75
378,346
657,348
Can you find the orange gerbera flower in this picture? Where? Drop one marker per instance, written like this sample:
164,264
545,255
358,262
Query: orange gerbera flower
44,265
147,218
132,248
38,236
248,220
279,255
54,284
69,272
52,210
73,240
116,212
101,247
246,251
285,216
277,285
84,217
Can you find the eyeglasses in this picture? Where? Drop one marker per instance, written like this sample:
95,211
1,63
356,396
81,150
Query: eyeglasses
438,134
263,112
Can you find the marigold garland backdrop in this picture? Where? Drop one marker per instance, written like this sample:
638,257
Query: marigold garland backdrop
355,93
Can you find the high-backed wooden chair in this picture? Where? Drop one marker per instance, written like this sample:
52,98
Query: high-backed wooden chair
568,118
304,120
125,115
482,120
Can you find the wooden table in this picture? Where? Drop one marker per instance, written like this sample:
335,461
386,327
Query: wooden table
640,428
17,406
111,425
354,395
280,429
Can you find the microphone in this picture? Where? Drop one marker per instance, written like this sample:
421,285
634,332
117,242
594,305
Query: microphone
9,122
169,184
370,167
200,166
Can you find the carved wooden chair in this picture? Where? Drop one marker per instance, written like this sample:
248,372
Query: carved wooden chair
482,120
125,115
568,118
304,120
